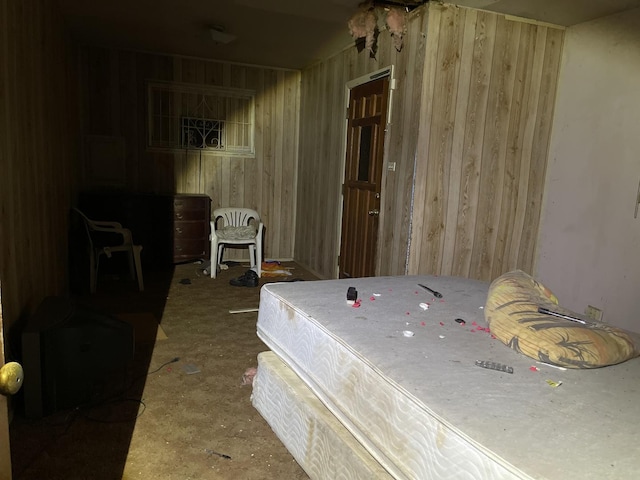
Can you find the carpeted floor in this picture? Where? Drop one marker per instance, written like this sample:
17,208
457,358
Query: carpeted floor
179,411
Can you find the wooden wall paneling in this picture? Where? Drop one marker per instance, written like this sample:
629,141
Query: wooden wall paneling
322,191
401,148
60,95
331,165
317,162
385,49
481,180
223,191
237,76
9,180
267,201
290,128
514,153
317,196
115,98
529,119
440,144
423,140
37,154
253,185
322,156
494,148
304,210
468,39
18,124
129,121
473,141
236,177
192,71
214,73
414,98
540,148
278,162
331,162
157,170
251,182
43,172
226,74
34,168
308,179
188,166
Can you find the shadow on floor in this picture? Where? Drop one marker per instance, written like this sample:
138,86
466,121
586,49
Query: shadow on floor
91,440
161,420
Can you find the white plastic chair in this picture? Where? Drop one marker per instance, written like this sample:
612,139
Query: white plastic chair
236,226
100,244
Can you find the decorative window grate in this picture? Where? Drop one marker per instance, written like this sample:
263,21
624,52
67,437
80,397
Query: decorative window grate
202,133
213,120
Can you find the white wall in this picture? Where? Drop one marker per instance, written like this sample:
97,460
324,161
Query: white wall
589,245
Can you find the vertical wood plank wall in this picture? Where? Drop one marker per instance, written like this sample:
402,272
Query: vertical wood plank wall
114,104
38,155
322,137
472,111
490,86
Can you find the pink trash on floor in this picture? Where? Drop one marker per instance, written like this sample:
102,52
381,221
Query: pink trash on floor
247,377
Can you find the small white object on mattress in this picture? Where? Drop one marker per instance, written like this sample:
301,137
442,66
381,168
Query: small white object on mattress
419,404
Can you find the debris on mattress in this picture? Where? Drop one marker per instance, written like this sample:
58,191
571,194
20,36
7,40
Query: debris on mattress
352,295
549,365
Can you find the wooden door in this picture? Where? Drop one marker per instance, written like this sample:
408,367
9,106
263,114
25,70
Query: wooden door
367,117
5,453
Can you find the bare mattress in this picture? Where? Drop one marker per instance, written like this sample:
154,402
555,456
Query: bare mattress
399,374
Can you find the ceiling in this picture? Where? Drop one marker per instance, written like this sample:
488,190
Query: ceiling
278,33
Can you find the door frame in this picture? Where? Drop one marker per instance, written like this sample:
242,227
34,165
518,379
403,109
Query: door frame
5,450
388,71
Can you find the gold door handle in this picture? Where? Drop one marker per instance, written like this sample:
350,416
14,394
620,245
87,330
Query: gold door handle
374,213
11,377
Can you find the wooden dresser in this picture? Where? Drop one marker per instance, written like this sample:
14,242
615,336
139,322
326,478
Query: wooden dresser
191,217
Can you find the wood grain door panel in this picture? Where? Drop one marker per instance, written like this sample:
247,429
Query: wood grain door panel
362,182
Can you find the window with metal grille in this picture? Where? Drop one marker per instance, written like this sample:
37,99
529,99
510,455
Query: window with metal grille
214,120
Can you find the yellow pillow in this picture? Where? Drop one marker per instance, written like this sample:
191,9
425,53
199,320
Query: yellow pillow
512,314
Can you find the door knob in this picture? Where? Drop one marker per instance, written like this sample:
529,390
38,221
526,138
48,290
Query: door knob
11,376
374,213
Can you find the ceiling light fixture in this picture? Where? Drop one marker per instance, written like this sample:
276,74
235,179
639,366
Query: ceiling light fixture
219,36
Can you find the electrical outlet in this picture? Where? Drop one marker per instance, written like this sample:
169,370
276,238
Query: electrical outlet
593,313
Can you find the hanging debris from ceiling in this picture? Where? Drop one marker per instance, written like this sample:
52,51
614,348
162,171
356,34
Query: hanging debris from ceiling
397,25
364,23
